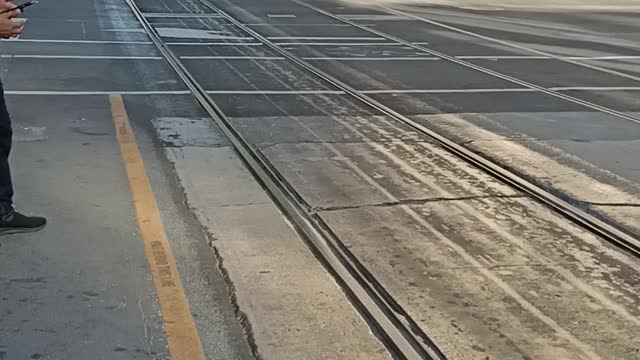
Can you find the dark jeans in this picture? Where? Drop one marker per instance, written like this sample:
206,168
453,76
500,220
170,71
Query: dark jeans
6,187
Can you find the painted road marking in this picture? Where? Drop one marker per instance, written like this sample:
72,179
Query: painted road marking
283,44
89,57
532,57
501,57
337,44
338,38
275,92
180,15
80,41
310,92
285,16
513,45
415,58
374,17
453,91
346,58
90,93
182,336
596,88
296,25
445,91
171,32
214,44
129,30
613,57
206,57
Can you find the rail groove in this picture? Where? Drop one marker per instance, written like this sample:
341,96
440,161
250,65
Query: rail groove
399,333
394,327
614,235
459,61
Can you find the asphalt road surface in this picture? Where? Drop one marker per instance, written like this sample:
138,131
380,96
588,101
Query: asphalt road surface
563,84
477,268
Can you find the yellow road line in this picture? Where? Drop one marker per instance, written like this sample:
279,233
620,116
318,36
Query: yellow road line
182,336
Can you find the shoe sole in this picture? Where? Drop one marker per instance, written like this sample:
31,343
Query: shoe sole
21,230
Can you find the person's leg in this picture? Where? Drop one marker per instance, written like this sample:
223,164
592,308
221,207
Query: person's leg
6,187
10,221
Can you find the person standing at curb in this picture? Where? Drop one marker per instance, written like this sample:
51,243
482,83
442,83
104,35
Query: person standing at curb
11,221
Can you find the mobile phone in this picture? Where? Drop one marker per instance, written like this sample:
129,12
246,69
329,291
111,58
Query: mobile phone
21,7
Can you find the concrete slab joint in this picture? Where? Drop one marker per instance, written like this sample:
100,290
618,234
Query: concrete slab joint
287,303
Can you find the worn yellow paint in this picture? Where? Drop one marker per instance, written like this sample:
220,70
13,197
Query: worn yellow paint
182,336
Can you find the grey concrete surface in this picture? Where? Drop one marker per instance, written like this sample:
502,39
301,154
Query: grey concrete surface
81,289
482,270
70,49
246,106
62,29
629,66
547,7
290,303
363,50
558,33
230,75
92,75
209,295
401,75
455,103
613,155
582,127
266,131
624,101
554,73
338,183
491,285
588,185
524,276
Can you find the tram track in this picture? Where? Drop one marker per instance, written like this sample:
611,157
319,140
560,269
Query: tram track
591,223
390,322
393,326
470,65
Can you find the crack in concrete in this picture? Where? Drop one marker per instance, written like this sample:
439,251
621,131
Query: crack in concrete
240,315
508,266
211,239
318,209
266,146
148,342
613,204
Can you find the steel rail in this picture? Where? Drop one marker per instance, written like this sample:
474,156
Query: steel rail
459,61
391,324
591,223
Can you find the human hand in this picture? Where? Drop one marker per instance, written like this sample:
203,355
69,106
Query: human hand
6,5
8,27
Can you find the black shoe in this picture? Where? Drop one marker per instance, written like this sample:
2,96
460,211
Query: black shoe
14,223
